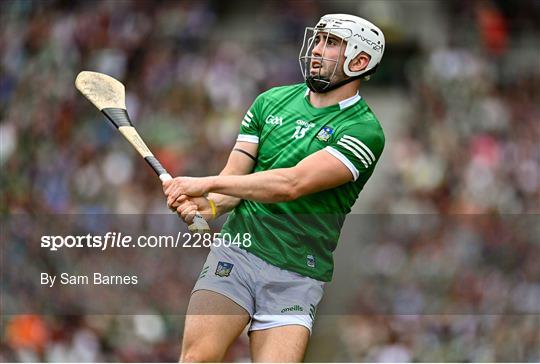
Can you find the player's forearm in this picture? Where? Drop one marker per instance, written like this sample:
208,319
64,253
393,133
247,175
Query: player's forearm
223,203
276,185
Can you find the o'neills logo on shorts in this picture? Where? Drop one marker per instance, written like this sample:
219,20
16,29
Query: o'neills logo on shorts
292,308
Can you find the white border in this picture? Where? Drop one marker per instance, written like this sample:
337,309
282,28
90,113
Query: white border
336,153
343,104
248,138
350,101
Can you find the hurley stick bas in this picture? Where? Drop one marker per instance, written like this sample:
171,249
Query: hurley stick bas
108,95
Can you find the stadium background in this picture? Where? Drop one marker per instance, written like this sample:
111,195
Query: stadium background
457,94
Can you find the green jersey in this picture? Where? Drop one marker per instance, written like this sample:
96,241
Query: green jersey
301,235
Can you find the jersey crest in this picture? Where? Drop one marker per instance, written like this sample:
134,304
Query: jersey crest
224,269
325,133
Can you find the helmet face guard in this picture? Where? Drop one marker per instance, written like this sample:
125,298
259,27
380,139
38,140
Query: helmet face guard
357,35
323,78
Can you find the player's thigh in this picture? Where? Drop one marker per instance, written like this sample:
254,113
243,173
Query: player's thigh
279,344
213,322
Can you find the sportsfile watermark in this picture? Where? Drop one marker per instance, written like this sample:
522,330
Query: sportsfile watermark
382,265
111,240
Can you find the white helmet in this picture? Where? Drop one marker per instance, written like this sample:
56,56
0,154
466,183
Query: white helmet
360,35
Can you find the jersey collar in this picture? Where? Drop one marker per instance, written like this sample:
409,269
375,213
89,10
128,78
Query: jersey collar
350,101
343,104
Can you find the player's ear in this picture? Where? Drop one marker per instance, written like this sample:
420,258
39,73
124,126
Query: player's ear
360,62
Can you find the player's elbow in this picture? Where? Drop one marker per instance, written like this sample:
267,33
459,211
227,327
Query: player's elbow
286,186
283,193
289,194
294,188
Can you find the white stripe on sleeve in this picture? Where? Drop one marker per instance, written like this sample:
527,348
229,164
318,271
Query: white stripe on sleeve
359,142
245,124
365,158
336,153
353,151
248,138
250,114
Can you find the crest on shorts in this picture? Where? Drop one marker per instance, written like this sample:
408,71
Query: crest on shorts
325,133
224,269
310,261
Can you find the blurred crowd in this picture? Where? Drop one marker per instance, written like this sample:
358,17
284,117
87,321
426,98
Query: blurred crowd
468,143
474,144
458,288
439,338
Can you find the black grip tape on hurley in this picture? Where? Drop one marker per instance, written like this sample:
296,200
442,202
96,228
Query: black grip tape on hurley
119,117
156,166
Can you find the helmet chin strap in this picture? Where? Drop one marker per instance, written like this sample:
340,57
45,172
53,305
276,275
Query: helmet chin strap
322,85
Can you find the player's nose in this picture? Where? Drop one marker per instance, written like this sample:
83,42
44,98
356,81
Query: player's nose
318,49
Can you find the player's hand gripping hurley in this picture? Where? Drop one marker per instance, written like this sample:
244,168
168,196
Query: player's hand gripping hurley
108,95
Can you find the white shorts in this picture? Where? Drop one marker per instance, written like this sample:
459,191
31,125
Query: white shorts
272,296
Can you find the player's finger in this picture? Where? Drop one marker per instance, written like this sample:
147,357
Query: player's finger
176,191
184,206
171,206
165,185
183,217
179,202
187,212
169,186
190,216
170,202
182,198
172,196
175,205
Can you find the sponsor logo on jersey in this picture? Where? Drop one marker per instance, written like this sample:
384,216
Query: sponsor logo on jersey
325,133
310,261
274,120
294,308
305,124
224,269
301,128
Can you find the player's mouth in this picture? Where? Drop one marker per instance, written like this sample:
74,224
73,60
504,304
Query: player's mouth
315,67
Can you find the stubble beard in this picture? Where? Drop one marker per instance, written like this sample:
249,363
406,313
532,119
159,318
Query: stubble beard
321,83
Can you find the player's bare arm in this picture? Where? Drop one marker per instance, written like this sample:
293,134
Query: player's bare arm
317,172
241,161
